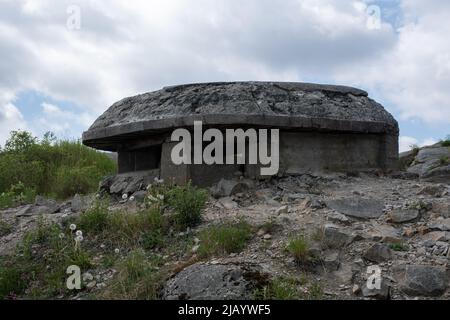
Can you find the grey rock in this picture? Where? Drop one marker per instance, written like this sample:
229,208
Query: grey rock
335,237
357,207
441,225
331,260
226,188
383,293
428,166
433,190
139,196
378,253
81,203
385,233
442,208
402,216
52,205
421,280
435,236
209,282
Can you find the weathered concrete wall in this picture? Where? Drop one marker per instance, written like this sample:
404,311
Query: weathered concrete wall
302,152
139,160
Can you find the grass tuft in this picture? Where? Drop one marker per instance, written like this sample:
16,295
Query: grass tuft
224,239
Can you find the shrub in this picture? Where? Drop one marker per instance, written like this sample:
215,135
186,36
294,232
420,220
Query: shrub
224,239
444,160
16,195
52,168
299,249
446,142
11,282
188,203
95,219
5,228
137,278
399,246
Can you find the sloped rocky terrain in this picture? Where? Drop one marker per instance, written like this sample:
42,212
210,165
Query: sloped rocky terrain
350,222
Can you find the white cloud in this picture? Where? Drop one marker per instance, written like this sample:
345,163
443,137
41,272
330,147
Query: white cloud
407,143
10,119
61,122
414,76
127,47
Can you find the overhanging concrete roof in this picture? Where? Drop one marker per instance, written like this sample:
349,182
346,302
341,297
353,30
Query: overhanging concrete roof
295,106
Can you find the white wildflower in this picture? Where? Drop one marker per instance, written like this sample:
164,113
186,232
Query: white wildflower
125,196
73,227
117,250
79,239
61,235
131,198
79,233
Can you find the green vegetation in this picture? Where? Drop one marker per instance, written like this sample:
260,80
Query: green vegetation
399,246
446,142
49,167
39,266
5,228
444,160
287,288
299,248
224,239
131,243
188,203
137,277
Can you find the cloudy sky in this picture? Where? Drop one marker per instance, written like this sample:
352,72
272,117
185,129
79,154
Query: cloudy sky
62,63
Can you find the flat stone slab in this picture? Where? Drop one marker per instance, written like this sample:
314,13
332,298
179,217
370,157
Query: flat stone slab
361,208
402,216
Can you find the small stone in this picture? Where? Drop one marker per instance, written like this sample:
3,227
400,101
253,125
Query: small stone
378,253
267,237
402,216
356,289
282,210
261,232
381,294
334,237
87,277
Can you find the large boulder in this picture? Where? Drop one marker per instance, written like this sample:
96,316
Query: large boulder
431,163
211,282
421,280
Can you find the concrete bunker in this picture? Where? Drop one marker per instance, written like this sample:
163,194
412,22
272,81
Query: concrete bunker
322,128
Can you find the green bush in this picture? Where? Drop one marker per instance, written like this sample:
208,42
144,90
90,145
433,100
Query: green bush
96,219
50,167
446,142
11,282
17,194
188,203
224,239
281,288
299,249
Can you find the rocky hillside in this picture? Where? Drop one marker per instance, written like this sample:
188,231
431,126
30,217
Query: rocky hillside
298,237
431,163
